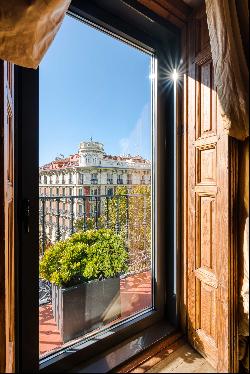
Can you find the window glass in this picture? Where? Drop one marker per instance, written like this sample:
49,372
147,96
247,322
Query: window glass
96,132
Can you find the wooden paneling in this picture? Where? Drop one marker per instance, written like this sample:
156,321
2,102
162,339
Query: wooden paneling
174,11
7,302
209,208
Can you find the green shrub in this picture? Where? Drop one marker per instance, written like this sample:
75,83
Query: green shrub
93,254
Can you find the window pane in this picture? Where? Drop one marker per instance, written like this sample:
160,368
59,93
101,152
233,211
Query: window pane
96,162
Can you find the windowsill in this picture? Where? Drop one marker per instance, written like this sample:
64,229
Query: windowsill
108,358
127,350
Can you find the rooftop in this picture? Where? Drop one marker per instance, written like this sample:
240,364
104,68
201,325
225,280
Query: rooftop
93,149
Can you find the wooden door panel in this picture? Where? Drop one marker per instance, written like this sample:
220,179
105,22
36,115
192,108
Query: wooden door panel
208,206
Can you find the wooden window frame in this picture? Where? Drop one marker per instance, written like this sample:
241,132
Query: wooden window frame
27,192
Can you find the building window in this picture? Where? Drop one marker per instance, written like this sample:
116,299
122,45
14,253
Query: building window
94,179
110,192
80,209
109,178
70,178
81,178
119,179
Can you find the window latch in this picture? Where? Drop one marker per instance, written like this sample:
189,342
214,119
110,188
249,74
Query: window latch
26,215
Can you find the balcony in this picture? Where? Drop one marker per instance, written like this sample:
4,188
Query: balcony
136,284
117,213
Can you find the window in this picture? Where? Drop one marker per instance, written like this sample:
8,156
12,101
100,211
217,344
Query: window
117,208
109,178
70,178
94,179
110,191
81,178
127,214
119,179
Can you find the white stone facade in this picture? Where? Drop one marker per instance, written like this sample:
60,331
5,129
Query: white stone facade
89,172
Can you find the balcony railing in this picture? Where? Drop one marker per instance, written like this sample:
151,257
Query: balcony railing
128,215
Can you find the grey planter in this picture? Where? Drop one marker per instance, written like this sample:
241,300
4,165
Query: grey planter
85,307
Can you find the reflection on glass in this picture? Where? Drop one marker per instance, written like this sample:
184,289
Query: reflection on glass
95,185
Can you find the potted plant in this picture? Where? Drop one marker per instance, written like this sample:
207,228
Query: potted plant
84,271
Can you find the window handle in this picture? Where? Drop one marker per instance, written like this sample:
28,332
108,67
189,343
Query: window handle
26,215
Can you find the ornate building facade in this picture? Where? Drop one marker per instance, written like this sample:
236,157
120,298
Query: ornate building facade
68,186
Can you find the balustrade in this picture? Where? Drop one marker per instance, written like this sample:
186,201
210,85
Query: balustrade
127,214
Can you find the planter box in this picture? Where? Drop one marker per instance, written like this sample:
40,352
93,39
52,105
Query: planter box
85,307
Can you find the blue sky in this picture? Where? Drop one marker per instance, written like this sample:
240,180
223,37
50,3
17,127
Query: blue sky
92,85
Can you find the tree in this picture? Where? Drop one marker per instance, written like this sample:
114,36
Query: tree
127,212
